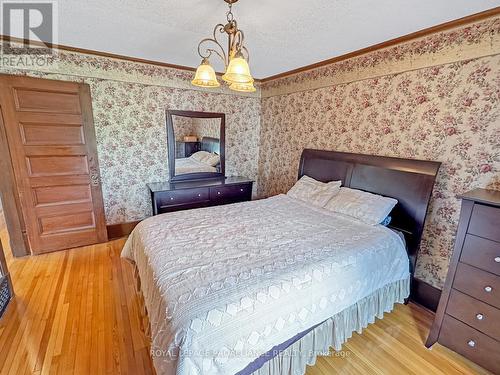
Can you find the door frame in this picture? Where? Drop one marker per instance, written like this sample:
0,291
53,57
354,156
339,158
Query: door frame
14,220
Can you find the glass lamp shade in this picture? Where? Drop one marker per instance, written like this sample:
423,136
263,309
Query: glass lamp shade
205,75
238,71
243,87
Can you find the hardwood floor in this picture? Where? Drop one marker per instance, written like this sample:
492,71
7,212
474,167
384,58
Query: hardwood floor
76,312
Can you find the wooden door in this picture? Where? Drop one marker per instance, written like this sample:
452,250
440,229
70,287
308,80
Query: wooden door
50,133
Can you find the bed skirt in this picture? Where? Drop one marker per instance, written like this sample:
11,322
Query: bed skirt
335,331
331,333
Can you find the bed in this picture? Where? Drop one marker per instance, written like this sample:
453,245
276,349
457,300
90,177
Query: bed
263,287
192,165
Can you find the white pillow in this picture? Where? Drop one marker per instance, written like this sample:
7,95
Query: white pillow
317,193
206,158
367,207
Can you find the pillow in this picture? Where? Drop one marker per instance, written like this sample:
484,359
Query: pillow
369,208
213,160
206,158
317,193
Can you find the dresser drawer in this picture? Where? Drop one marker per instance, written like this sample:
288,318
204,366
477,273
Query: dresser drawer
477,283
181,197
471,343
485,221
475,313
231,193
481,253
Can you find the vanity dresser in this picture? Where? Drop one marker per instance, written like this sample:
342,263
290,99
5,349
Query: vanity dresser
196,181
468,316
169,197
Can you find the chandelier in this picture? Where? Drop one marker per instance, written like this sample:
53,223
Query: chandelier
237,72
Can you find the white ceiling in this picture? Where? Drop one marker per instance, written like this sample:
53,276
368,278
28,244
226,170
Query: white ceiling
280,34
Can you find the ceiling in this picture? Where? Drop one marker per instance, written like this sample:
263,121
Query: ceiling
280,34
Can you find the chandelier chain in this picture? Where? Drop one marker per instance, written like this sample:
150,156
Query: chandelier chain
229,14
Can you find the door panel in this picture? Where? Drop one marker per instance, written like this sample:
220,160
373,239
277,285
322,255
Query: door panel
46,101
76,221
34,134
51,195
54,165
51,138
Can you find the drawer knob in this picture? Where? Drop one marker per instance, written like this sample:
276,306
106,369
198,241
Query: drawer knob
242,190
218,193
471,343
488,289
171,198
199,195
479,316
497,259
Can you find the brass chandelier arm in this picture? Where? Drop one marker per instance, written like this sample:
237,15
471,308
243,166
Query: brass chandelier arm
246,55
208,51
237,72
238,44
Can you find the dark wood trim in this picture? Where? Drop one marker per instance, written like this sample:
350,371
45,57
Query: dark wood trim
12,210
171,145
120,230
425,294
402,39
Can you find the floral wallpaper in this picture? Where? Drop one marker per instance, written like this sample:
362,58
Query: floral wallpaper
129,102
433,98
131,138
448,112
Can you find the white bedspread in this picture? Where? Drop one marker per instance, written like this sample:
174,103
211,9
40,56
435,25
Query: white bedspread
190,165
225,284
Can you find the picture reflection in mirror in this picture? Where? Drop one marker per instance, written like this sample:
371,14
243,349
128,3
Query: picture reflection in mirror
197,144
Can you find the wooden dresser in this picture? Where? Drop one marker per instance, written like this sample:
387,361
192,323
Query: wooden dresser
468,316
176,196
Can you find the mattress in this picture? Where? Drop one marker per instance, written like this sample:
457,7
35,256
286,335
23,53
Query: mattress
223,285
190,165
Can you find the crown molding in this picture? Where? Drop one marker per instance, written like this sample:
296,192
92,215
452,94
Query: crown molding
399,40
85,51
94,52
418,34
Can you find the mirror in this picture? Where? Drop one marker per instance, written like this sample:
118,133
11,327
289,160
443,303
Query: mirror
195,145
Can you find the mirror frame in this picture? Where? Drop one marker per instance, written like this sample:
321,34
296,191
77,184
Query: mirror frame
171,145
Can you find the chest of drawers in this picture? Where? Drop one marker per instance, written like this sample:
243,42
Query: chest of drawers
169,197
468,316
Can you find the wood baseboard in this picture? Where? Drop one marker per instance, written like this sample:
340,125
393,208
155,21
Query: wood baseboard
425,294
121,229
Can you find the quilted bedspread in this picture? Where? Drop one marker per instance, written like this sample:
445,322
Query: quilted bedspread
223,285
190,165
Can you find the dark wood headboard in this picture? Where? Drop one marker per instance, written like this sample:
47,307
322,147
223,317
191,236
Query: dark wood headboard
407,180
210,144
